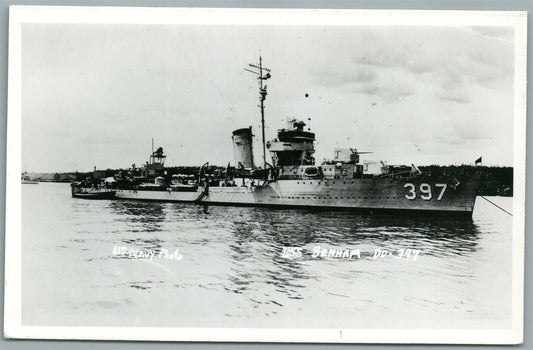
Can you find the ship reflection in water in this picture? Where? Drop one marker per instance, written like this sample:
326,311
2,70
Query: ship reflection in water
228,266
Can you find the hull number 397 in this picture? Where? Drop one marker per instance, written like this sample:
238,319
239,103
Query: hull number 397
424,191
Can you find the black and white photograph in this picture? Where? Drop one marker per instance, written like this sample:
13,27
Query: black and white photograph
265,175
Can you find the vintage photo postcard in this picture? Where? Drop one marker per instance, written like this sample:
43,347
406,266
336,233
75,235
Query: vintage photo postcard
265,175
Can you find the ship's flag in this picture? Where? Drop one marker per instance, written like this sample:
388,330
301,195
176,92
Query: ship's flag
478,161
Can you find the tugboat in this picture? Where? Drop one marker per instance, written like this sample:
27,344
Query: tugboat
294,180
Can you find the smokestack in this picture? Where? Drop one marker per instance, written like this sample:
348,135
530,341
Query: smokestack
242,147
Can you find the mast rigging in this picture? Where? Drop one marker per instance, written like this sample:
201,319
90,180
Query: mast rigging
263,73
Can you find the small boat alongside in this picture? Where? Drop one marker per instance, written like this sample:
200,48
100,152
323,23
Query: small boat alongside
78,191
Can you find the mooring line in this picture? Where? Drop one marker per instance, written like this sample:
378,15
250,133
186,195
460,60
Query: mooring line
496,205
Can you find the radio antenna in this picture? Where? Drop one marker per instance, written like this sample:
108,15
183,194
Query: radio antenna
262,73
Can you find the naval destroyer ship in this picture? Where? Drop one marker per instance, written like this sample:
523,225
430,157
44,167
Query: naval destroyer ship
293,179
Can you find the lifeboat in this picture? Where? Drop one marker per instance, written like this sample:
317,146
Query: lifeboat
311,171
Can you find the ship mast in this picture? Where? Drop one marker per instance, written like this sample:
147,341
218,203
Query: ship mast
259,70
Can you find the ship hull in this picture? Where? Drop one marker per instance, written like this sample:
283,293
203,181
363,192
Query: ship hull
353,209
383,195
162,196
94,195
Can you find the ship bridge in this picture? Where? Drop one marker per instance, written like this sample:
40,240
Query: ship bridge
294,145
157,164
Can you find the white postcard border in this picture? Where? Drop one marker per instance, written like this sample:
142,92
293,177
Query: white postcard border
20,15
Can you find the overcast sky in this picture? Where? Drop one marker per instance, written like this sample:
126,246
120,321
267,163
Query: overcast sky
97,94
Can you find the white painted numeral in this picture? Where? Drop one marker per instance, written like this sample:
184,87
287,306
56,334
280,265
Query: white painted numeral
412,192
443,186
426,192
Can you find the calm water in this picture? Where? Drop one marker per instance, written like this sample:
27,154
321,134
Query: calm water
229,269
